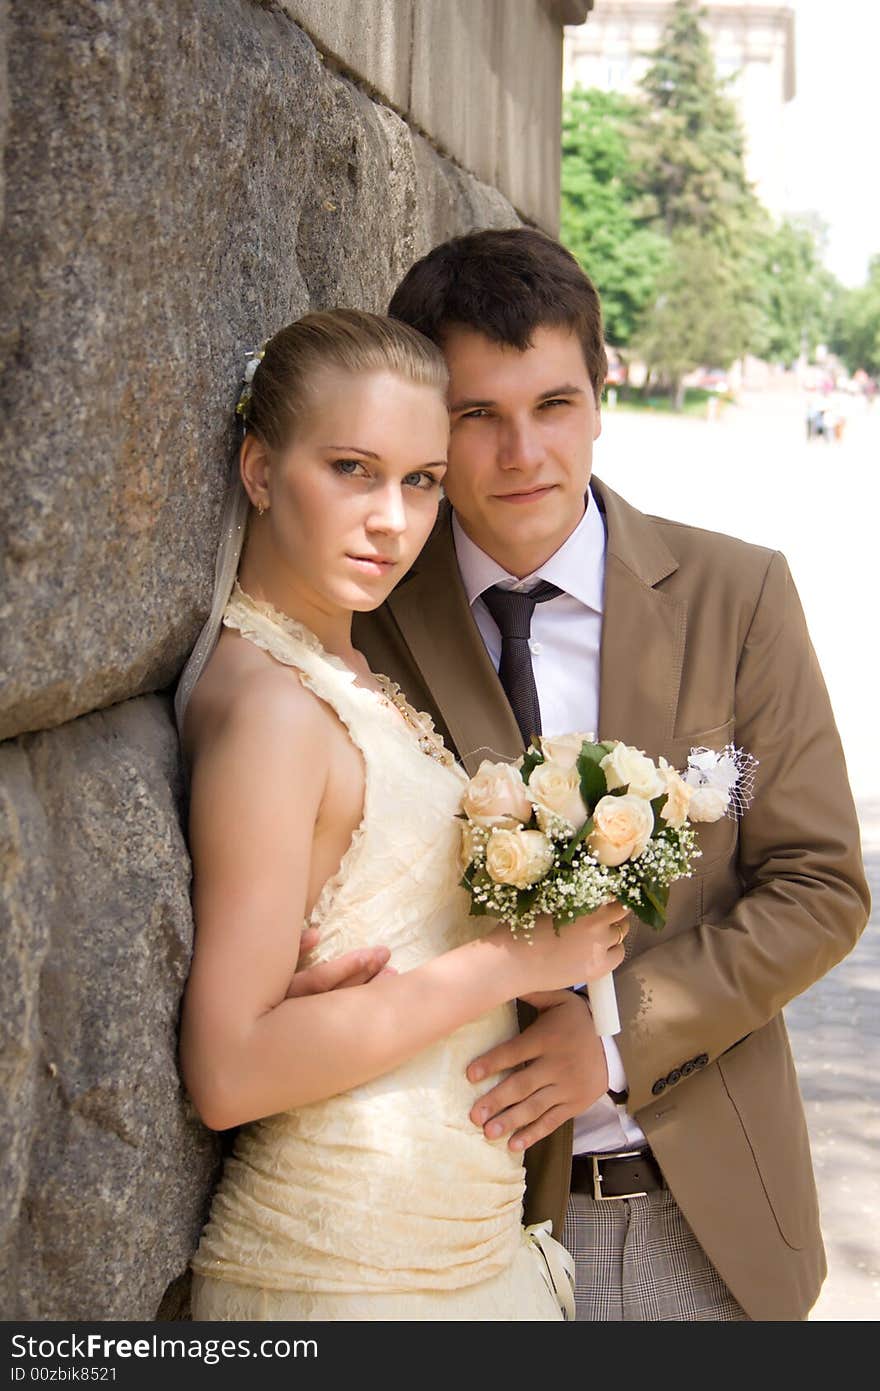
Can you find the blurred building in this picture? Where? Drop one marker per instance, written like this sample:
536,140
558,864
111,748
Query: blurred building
754,45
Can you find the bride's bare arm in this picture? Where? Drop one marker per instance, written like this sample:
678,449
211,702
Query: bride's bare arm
260,789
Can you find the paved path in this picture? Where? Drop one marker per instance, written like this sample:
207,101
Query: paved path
835,1034
753,475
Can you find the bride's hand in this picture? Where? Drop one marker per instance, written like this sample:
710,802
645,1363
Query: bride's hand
584,950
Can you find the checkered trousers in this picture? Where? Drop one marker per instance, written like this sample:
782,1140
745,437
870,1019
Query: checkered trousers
637,1261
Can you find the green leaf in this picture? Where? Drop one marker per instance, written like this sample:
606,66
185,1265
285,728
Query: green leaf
530,762
593,783
658,898
585,830
648,914
594,752
657,806
477,909
526,899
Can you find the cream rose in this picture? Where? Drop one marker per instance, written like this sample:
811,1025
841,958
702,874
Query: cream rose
564,749
678,795
632,769
708,803
518,857
496,796
557,790
623,827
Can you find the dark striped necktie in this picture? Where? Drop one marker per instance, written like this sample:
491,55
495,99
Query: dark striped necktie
512,610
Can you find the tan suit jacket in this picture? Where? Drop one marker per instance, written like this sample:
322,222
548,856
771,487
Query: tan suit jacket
703,642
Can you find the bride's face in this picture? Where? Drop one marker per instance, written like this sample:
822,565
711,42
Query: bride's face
353,498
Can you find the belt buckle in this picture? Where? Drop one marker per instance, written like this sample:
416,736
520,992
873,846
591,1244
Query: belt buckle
601,1197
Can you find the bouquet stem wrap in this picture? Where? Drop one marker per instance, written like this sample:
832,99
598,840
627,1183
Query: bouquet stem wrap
603,1005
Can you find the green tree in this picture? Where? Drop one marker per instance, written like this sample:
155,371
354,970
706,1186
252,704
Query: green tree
798,291
598,225
690,152
699,316
710,305
855,334
654,189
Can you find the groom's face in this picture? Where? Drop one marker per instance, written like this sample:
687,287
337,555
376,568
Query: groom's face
521,448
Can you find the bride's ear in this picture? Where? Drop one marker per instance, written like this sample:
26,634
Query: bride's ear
254,463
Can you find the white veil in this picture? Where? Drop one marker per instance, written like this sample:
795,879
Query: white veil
233,524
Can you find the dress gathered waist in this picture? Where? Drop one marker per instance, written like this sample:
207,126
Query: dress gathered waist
388,1186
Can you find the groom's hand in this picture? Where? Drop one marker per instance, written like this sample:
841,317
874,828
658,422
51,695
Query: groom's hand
355,968
560,1071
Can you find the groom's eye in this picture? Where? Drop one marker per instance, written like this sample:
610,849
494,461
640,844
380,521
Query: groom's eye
555,401
478,414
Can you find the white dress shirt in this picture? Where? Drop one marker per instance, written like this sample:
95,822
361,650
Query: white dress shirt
566,635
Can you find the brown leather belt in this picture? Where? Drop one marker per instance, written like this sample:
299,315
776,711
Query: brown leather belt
630,1174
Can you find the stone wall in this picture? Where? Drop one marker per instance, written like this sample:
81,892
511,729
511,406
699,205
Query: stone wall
484,77
181,178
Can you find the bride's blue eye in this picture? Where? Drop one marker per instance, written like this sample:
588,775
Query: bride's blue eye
423,481
347,467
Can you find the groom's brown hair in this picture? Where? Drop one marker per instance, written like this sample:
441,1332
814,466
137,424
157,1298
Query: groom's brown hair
504,284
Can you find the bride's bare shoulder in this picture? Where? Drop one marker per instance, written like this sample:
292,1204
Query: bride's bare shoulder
244,692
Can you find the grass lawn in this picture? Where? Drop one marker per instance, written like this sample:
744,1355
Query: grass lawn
696,401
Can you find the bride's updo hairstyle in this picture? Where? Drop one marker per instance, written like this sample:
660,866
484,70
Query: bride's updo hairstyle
285,383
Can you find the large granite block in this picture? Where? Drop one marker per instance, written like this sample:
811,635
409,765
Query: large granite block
181,181
106,1170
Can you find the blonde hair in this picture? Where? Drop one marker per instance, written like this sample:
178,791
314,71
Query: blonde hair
285,384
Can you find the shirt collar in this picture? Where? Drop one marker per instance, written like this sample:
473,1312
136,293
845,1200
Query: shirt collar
577,568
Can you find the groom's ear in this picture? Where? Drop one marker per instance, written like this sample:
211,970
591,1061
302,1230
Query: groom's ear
254,464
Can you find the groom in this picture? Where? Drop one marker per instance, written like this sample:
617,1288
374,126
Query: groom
674,1158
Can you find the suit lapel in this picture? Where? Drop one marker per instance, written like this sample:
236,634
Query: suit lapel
432,612
643,631
643,641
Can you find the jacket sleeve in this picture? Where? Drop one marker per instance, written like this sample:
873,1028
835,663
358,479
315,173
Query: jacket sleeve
799,898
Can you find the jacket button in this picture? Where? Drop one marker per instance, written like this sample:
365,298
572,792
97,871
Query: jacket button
658,1087
687,1069
702,1060
674,1076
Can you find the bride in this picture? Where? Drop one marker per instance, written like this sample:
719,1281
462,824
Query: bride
358,1188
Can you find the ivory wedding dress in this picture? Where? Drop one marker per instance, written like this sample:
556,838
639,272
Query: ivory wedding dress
385,1202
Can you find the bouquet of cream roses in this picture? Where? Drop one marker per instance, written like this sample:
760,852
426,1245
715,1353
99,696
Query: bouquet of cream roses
575,824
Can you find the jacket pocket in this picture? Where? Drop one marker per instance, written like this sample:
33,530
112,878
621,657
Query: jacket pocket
716,840
759,1078
713,738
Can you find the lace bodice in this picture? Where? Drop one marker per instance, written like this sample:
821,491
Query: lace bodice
389,1185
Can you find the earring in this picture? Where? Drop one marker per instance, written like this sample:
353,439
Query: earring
260,509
